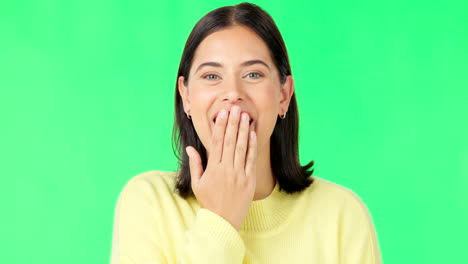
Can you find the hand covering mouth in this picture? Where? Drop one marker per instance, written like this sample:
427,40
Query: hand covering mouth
250,121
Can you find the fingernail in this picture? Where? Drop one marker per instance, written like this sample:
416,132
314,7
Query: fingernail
252,135
222,114
245,117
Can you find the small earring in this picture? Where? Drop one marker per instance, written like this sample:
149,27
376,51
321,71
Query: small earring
283,116
188,116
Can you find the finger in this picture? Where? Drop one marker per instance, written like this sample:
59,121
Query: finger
230,137
250,164
218,139
242,141
195,163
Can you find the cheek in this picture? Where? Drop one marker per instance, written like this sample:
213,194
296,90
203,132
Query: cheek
200,97
267,102
202,130
267,99
200,101
266,126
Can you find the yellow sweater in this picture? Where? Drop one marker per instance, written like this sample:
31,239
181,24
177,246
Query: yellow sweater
324,224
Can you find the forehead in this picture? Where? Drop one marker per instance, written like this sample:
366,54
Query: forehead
232,45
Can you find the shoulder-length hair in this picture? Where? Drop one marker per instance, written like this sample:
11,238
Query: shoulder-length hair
284,156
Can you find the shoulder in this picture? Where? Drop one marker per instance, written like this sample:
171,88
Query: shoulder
337,198
151,185
155,178
347,212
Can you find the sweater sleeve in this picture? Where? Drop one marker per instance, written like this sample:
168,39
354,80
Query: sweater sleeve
138,236
212,239
358,239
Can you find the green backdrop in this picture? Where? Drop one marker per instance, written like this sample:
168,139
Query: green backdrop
86,103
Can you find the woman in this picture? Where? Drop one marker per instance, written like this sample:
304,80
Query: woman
240,195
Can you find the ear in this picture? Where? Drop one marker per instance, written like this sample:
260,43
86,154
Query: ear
183,91
287,90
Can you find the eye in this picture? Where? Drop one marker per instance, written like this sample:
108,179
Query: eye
254,75
210,76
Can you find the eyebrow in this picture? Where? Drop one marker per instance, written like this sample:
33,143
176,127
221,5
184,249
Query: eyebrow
245,63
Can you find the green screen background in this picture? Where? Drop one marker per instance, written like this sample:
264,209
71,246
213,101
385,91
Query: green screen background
86,103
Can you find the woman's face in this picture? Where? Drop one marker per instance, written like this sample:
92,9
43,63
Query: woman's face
234,67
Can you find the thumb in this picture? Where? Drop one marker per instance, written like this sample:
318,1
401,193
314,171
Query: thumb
196,168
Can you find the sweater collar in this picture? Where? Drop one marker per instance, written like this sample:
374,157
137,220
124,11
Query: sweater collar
269,213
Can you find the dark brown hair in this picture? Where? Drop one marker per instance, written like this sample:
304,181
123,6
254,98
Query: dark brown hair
284,156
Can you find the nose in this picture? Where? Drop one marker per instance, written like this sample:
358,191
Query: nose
233,91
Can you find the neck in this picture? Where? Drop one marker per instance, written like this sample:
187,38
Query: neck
265,180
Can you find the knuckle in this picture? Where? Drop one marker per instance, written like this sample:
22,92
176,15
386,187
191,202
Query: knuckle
219,169
228,142
251,146
221,124
243,181
251,157
233,121
240,149
236,172
229,177
224,171
217,139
